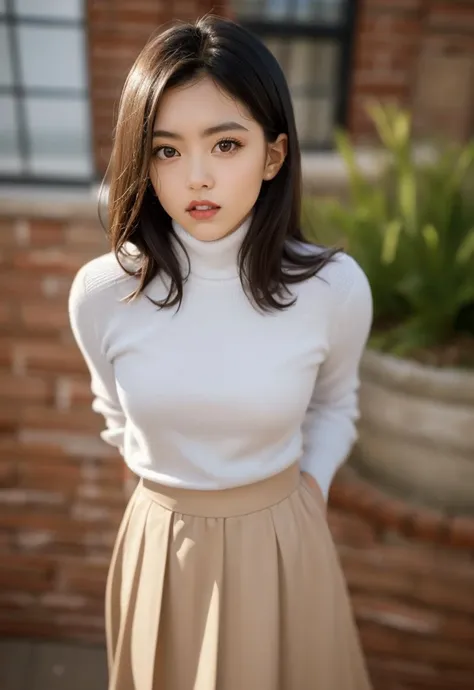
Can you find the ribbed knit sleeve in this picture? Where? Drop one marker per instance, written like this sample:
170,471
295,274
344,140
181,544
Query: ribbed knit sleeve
88,312
329,428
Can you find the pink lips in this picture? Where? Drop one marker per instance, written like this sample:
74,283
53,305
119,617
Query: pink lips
202,202
202,214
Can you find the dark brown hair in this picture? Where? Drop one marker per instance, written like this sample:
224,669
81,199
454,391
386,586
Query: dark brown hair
241,65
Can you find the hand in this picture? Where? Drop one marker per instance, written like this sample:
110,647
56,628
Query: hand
315,489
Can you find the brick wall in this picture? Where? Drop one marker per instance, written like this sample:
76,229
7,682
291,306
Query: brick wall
61,494
420,54
410,572
117,31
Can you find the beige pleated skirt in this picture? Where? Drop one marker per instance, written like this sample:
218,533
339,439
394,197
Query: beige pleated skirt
239,589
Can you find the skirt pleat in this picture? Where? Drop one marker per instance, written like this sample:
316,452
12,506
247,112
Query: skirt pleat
230,590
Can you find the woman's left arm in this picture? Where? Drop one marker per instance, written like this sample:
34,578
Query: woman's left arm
329,427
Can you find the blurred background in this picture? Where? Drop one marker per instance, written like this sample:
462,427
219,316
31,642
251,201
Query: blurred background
383,96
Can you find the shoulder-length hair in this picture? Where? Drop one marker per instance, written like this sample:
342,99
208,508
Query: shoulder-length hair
241,65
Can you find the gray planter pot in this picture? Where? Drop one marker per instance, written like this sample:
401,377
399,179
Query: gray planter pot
417,431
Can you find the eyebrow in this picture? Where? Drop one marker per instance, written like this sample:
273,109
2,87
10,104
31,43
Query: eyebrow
216,129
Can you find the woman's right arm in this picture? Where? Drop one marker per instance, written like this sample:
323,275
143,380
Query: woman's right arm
86,311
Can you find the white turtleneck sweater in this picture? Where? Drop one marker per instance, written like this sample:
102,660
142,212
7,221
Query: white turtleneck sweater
218,394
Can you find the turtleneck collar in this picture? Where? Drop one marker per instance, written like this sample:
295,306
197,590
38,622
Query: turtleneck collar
214,260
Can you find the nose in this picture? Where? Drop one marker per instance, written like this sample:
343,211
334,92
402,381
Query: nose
199,175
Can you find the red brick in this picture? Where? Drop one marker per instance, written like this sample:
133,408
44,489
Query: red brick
438,593
36,417
386,642
45,232
44,500
394,614
17,600
50,261
39,625
39,453
7,232
7,316
458,628
390,512
82,233
26,573
14,284
45,356
367,572
344,494
88,579
61,529
414,558
9,418
462,532
63,601
5,542
427,524
415,675
24,388
64,477
73,392
452,16
394,5
8,473
45,316
102,475
350,530
95,494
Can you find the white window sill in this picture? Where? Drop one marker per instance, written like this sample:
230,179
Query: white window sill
49,202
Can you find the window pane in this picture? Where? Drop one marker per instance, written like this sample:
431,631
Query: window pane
52,57
9,156
248,8
2,6
6,77
314,120
276,9
312,63
51,9
59,131
324,11
310,67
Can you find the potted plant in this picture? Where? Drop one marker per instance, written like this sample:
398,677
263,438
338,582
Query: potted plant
412,232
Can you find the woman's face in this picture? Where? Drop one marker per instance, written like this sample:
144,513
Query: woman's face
209,152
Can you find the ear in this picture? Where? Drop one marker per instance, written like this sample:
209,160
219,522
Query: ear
276,154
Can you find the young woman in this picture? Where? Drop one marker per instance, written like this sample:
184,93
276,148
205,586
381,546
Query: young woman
224,352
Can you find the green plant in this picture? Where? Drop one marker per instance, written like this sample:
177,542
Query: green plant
413,234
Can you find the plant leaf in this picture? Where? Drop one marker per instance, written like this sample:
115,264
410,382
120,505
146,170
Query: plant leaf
390,241
466,249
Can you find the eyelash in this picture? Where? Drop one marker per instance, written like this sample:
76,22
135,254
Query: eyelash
228,140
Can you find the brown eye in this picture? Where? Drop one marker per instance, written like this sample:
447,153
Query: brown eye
226,146
166,152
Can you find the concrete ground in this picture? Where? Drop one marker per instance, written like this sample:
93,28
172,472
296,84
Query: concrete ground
34,665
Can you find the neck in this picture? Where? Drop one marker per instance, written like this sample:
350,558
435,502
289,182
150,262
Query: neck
215,260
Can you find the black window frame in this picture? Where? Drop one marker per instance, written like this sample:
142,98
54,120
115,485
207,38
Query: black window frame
11,21
341,33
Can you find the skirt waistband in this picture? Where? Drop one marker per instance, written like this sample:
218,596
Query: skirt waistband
240,500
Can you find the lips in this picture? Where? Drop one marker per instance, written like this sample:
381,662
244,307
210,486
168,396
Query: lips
203,205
